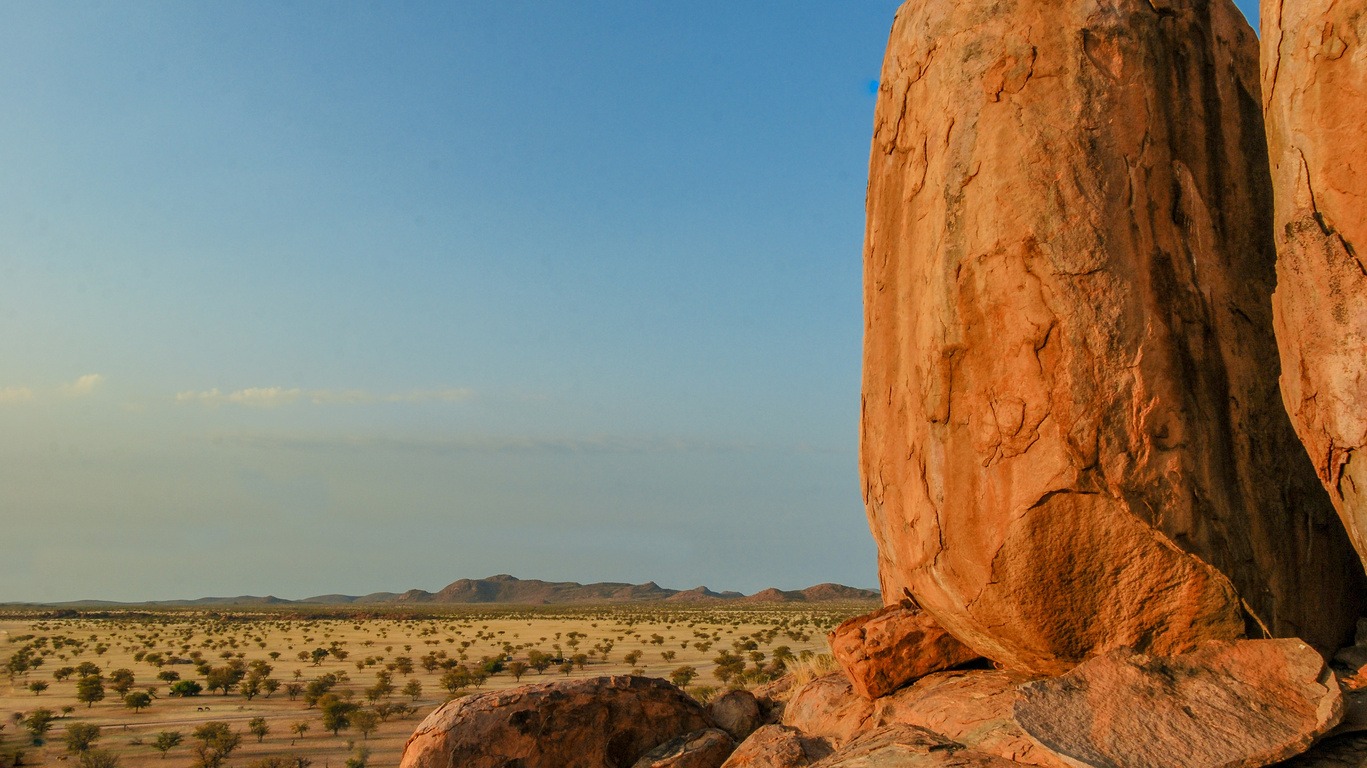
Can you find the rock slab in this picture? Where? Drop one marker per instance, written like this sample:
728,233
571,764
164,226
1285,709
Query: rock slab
1315,103
1072,438
973,707
906,746
1241,704
828,707
604,722
736,712
778,746
889,648
707,748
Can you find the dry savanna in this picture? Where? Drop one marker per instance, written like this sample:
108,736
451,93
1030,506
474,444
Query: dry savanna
329,689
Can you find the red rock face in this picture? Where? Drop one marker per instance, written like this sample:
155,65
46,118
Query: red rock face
1315,99
885,650
1072,439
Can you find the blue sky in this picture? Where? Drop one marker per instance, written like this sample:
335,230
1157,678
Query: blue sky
299,298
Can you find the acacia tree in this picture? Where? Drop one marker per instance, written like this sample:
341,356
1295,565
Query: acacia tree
217,740
137,701
80,737
90,689
167,741
365,721
259,728
38,722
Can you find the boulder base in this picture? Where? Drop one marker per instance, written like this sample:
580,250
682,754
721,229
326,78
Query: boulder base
906,746
1240,704
829,708
778,746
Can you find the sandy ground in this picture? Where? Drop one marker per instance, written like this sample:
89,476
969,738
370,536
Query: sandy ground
694,637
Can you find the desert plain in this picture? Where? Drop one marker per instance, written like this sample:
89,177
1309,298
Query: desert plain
400,665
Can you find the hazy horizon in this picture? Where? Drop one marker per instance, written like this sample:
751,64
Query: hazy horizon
308,299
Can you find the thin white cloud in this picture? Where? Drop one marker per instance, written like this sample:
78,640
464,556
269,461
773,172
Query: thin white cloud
252,397
432,396
269,397
82,386
11,395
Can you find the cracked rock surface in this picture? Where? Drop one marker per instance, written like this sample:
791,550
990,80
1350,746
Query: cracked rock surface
1072,438
1315,100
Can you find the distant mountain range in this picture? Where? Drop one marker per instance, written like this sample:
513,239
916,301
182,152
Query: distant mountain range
509,590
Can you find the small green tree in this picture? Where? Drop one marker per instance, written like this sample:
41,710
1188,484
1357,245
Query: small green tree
683,676
412,689
80,737
167,741
365,721
121,681
37,686
217,740
38,722
98,758
89,689
137,701
258,728
337,712
298,729
185,688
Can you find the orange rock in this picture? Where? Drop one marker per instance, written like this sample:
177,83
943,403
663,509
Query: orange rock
1315,102
707,748
828,707
973,707
778,746
585,723
1241,704
884,650
736,712
906,746
1071,435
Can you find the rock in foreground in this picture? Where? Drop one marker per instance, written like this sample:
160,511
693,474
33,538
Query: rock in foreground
1315,99
778,746
906,746
604,722
1243,704
707,748
828,707
1072,439
884,650
974,707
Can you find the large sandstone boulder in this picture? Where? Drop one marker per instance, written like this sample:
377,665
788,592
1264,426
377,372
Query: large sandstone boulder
1241,704
884,650
1072,439
604,722
1315,100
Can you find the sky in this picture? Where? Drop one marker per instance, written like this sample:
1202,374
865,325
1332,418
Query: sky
300,298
